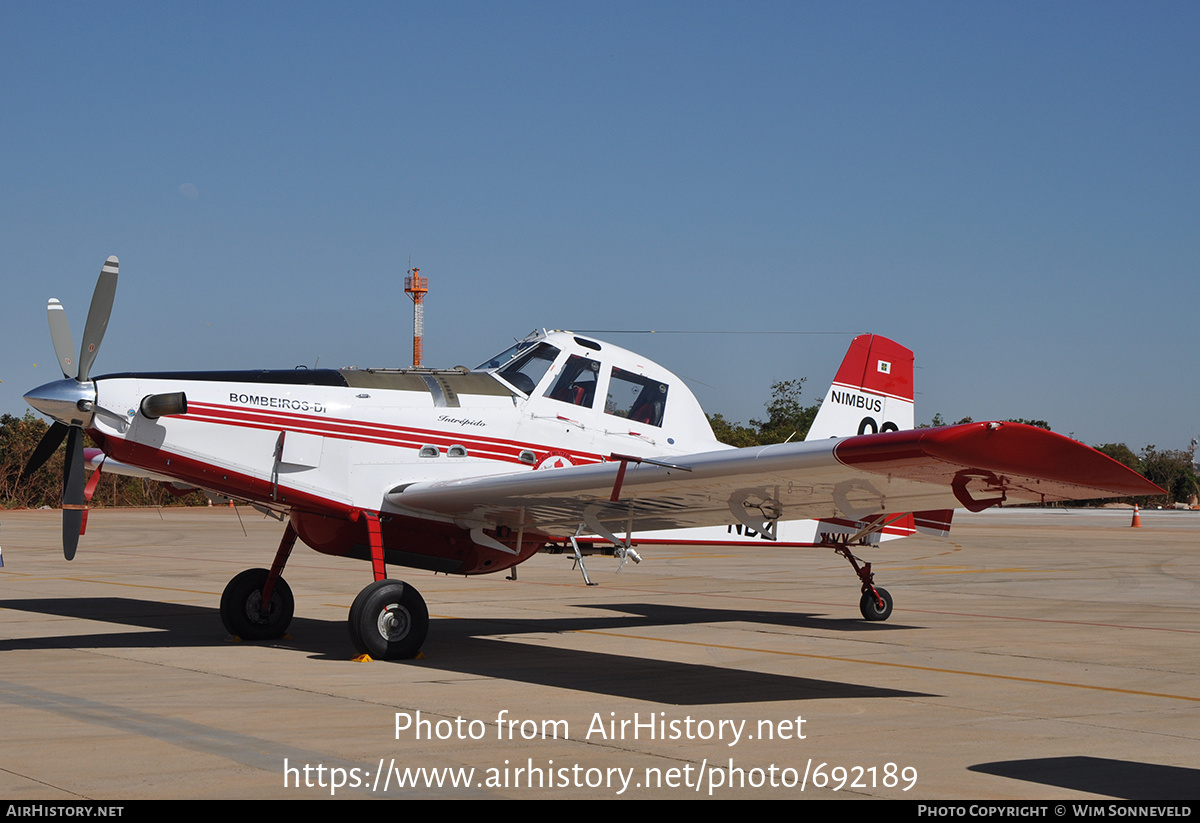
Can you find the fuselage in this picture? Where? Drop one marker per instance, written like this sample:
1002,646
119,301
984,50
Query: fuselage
324,444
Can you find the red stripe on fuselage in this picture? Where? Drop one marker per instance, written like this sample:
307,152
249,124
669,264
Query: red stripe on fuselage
369,432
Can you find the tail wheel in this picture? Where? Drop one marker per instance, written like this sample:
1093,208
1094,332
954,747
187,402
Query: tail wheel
870,607
241,607
388,621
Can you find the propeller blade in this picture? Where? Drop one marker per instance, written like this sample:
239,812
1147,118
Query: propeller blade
97,319
73,501
60,335
45,447
72,525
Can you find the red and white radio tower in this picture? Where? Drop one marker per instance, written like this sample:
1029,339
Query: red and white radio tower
416,287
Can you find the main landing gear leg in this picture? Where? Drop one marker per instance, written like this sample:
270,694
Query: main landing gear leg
388,619
876,603
258,604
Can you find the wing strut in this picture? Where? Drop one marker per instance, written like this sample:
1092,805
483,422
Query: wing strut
625,460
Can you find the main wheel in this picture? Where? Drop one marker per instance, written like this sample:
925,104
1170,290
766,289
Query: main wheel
241,607
871,610
388,620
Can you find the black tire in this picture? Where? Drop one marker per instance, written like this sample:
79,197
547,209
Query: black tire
870,609
241,612
388,621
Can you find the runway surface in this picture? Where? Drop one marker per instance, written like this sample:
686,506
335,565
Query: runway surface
1031,655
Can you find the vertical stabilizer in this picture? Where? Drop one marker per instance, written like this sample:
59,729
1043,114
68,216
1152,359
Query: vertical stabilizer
873,391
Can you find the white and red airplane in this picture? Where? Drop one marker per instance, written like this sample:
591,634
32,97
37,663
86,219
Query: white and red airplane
559,443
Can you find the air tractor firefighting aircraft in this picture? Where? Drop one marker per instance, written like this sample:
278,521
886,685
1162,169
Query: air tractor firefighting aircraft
559,443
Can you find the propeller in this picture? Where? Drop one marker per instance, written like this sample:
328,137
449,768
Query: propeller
47,446
72,400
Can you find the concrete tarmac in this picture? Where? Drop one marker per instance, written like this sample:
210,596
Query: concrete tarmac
1031,655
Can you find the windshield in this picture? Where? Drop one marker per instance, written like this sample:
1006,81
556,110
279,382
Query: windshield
509,353
527,370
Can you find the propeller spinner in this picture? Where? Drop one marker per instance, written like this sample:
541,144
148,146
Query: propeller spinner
71,402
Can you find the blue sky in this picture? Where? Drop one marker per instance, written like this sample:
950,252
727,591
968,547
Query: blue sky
1012,190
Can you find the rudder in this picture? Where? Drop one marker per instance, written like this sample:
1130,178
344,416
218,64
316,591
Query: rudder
872,392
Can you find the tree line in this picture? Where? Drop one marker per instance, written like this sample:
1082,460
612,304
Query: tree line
18,438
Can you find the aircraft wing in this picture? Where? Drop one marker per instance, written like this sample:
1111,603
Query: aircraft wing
972,466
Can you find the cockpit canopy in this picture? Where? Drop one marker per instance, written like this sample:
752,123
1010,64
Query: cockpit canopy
585,373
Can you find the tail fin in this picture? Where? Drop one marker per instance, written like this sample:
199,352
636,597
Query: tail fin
873,391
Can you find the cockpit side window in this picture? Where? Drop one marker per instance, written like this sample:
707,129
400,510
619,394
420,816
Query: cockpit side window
636,398
577,383
526,371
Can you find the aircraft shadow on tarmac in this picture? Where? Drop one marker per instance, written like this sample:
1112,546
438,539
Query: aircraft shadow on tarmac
1125,779
490,648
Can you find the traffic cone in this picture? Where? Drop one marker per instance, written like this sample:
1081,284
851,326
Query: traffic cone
1137,520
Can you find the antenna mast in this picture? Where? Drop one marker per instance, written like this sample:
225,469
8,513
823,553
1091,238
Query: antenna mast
416,287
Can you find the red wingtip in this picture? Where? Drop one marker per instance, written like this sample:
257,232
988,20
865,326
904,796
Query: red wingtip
1063,469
